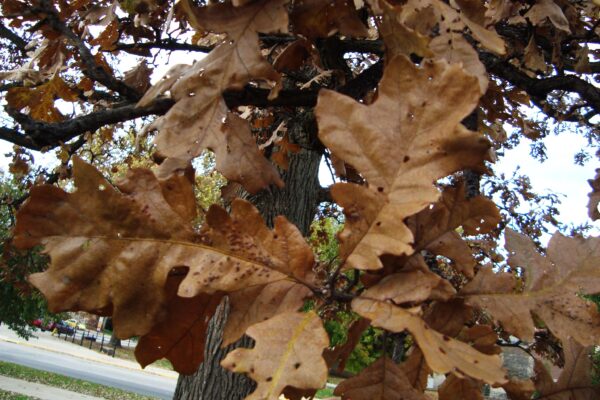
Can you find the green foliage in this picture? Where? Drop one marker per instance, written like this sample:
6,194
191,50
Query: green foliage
20,303
369,349
323,240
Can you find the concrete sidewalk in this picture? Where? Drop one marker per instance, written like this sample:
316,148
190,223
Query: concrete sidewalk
46,341
39,391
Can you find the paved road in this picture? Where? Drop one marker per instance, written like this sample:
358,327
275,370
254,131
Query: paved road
123,378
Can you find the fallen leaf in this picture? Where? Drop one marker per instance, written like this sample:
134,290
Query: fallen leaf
402,157
552,288
288,352
382,380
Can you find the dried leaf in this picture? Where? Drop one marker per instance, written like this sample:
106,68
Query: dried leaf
399,39
412,286
323,18
533,57
341,353
382,380
200,118
288,352
399,157
113,250
435,228
138,77
548,9
40,99
552,289
443,354
575,381
455,49
256,304
181,334
519,389
416,369
455,388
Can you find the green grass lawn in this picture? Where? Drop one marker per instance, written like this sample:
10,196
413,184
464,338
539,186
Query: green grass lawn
63,382
4,395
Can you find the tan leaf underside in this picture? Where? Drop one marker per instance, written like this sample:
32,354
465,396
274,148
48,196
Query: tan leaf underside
288,352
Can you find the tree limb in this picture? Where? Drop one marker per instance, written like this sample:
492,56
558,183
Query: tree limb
19,42
92,69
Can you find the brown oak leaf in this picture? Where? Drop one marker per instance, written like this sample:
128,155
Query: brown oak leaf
400,157
454,388
288,352
256,304
548,9
399,39
416,369
382,380
575,381
442,353
40,99
323,18
200,118
111,251
552,288
435,228
180,335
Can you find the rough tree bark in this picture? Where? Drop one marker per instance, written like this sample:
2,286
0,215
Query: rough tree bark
298,201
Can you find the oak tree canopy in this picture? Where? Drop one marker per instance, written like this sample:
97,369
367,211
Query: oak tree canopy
409,101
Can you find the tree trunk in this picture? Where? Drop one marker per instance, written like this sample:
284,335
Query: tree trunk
298,201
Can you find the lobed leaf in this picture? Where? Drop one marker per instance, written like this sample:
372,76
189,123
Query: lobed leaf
112,251
382,380
552,288
443,354
200,118
288,352
400,157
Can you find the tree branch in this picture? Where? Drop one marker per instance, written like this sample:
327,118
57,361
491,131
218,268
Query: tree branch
19,42
37,135
540,88
92,69
165,44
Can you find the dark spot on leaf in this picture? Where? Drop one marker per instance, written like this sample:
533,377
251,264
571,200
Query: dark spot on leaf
269,379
